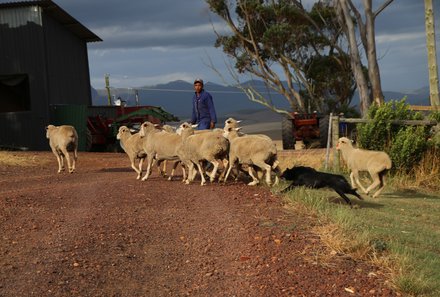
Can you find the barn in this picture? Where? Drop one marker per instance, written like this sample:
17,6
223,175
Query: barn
43,63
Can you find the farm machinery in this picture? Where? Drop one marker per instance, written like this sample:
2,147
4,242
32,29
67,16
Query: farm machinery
103,123
311,129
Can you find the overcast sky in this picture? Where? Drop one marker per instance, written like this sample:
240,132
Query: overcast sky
148,42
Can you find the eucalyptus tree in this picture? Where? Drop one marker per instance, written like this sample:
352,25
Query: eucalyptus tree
295,51
350,18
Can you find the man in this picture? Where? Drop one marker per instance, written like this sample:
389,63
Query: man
203,111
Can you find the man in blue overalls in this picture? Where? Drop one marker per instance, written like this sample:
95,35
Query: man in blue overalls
203,111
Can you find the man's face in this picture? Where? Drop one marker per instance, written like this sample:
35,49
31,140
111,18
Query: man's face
198,87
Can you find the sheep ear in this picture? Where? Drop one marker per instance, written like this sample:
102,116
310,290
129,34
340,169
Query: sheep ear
238,129
239,121
195,126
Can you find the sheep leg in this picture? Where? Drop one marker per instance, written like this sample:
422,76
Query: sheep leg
165,168
377,180
190,176
59,160
232,161
267,168
183,171
141,161
214,171
382,184
255,180
225,167
133,165
172,170
150,163
67,156
202,174
355,176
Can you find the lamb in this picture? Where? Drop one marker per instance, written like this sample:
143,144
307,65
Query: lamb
62,140
210,146
133,147
252,150
159,145
309,177
377,163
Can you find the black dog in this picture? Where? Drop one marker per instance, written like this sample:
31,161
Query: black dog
309,177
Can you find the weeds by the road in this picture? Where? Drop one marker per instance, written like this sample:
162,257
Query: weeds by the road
9,158
398,231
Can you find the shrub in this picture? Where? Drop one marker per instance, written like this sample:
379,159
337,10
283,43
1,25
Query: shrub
405,144
408,147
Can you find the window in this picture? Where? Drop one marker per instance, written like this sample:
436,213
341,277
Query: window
14,93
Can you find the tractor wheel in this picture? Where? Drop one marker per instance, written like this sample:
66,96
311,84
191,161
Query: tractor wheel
287,133
323,130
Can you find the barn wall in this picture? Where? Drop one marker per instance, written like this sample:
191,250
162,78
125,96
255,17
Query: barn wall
56,63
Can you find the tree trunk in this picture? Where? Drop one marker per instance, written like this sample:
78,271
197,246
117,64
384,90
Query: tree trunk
356,63
432,58
370,50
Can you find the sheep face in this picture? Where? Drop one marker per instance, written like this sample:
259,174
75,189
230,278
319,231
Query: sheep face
122,130
49,129
232,121
230,131
343,142
145,128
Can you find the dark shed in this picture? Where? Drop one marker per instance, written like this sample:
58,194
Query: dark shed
43,62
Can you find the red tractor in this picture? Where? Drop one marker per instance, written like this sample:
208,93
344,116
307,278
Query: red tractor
103,123
312,129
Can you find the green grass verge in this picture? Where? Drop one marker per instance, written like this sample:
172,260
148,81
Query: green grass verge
403,227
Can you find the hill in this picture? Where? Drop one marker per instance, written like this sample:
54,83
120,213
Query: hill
175,97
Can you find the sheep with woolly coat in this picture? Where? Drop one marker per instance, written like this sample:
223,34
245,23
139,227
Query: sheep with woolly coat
132,144
376,163
62,140
252,150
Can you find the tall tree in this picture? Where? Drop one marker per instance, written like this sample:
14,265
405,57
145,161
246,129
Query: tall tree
280,42
348,15
432,58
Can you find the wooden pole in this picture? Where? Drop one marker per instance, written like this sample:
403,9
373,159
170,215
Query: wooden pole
432,57
335,137
329,137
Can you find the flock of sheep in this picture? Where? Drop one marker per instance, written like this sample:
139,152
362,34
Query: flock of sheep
221,151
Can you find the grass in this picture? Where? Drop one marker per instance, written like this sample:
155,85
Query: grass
397,231
22,159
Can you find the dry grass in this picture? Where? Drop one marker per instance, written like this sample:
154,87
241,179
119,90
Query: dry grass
24,159
308,157
425,176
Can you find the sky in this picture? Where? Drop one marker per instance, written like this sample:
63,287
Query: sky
149,42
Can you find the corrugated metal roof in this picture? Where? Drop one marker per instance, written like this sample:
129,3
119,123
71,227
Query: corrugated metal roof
60,16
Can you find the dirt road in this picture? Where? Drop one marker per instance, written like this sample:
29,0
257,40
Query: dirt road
100,232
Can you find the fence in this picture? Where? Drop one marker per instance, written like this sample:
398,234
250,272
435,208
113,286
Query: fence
333,133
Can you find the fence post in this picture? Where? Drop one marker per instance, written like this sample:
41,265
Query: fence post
335,137
329,138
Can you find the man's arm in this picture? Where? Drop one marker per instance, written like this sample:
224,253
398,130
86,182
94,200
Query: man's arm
212,112
194,113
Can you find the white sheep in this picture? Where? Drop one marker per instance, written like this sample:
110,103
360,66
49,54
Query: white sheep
251,150
160,145
62,140
377,163
133,147
210,146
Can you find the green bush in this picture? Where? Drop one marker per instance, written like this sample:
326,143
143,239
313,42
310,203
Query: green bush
405,144
408,147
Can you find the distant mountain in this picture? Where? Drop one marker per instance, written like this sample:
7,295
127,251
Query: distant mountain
175,97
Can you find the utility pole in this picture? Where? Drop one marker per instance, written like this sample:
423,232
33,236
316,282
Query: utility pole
107,86
432,57
136,96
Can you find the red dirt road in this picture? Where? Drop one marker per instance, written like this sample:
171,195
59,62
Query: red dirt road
101,232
